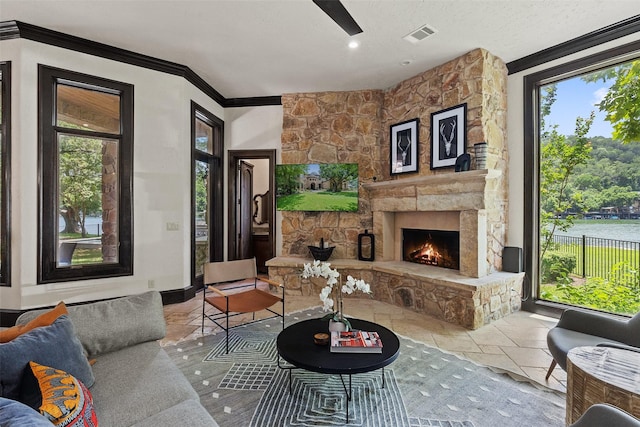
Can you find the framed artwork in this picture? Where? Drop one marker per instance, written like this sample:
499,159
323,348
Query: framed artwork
448,136
404,146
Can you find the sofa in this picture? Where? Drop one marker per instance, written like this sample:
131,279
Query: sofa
135,383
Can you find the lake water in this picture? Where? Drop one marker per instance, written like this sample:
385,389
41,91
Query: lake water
93,224
613,229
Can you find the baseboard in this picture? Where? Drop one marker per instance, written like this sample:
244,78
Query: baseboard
8,316
175,296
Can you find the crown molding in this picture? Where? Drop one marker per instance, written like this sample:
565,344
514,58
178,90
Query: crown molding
254,101
594,38
17,29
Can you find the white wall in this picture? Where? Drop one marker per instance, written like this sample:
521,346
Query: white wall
161,179
515,131
253,128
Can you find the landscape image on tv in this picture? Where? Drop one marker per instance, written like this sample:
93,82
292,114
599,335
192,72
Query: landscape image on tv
317,187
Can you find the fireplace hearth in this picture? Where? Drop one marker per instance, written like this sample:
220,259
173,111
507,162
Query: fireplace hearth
431,247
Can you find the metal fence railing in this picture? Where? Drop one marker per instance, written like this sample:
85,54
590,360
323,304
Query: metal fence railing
595,255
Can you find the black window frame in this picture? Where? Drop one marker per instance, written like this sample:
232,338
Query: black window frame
5,131
48,270
215,161
532,84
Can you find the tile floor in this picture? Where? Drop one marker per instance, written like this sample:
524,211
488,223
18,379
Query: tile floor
516,343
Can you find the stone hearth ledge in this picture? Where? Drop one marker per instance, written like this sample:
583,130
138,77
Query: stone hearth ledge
439,292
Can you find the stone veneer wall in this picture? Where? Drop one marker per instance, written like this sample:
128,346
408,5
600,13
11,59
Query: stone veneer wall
331,127
354,127
478,79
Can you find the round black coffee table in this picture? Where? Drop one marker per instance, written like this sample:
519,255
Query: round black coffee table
296,346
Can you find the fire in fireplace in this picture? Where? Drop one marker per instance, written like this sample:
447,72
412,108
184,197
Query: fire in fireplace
431,247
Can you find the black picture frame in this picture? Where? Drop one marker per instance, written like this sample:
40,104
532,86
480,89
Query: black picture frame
404,140
448,136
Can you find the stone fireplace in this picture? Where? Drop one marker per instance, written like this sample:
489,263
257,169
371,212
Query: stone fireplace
461,202
331,127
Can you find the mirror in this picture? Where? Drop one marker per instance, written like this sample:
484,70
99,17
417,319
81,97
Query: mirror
261,208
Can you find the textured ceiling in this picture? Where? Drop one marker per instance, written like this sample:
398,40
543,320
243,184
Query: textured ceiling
247,48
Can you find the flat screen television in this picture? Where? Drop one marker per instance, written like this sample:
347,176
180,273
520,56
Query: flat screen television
317,187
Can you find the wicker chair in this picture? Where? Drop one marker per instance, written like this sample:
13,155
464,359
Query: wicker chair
242,296
580,328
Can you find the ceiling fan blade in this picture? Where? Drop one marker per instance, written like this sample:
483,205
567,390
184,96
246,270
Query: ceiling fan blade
340,15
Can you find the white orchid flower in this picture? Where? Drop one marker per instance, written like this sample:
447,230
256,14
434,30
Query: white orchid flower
328,304
362,286
324,294
323,269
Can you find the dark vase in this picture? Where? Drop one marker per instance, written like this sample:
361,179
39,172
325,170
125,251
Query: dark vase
366,246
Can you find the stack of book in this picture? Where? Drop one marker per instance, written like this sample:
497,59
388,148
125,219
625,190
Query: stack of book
355,342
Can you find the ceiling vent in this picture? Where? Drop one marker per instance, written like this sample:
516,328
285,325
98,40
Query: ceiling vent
420,34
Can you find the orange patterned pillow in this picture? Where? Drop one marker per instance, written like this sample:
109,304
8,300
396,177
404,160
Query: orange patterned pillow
45,319
65,401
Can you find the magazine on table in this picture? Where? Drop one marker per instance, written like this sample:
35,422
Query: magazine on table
355,342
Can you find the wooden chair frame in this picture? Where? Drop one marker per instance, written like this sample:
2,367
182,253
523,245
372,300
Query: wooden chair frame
231,304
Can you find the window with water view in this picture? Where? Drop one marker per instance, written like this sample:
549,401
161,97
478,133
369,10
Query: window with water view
207,133
589,189
86,164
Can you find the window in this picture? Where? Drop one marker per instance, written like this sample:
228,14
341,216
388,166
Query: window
206,192
5,158
86,150
582,189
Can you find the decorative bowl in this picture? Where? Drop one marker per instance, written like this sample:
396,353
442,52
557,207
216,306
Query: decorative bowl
321,338
321,254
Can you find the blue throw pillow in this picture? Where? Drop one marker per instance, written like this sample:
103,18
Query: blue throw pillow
16,414
56,346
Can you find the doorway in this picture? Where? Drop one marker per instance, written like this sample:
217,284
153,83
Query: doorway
251,206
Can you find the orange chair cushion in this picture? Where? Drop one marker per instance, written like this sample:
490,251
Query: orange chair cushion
244,302
45,319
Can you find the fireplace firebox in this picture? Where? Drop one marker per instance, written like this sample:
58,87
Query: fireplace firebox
431,247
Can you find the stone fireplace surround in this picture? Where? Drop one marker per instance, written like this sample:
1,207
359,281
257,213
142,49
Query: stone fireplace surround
471,297
444,202
331,127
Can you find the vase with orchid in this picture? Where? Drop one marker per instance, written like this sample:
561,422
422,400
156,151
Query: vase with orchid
323,269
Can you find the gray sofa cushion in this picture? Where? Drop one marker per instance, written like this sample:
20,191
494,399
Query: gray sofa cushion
107,326
135,383
187,413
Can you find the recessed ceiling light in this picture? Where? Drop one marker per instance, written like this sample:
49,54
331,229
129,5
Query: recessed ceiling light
353,44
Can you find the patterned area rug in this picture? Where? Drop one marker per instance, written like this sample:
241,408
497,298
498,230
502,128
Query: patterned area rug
423,387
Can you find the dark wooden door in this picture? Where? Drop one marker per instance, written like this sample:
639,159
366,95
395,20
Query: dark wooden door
245,204
234,158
